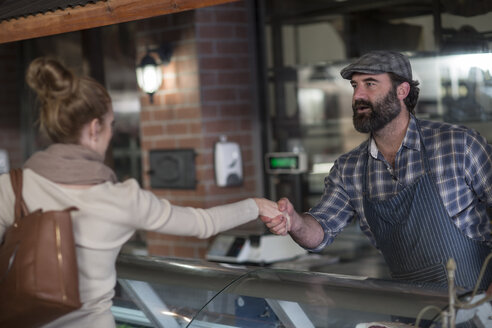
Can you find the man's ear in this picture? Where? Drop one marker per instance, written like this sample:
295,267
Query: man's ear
403,90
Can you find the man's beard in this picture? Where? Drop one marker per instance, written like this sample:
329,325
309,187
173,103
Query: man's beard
379,115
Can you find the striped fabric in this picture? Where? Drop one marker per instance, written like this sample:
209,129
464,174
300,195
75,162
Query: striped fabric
460,159
418,244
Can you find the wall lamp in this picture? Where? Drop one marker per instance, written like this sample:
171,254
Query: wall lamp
149,71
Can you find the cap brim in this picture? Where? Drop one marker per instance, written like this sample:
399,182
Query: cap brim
347,73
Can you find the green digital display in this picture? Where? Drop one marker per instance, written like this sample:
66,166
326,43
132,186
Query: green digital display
283,162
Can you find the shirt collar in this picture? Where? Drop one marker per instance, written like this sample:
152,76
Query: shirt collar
411,140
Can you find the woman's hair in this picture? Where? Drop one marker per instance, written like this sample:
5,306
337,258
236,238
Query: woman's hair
67,102
411,100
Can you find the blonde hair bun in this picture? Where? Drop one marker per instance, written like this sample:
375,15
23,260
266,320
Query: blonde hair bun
50,79
67,101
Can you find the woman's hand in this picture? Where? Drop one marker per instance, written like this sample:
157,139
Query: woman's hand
267,207
277,222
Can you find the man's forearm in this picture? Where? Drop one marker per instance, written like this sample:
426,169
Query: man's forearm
306,231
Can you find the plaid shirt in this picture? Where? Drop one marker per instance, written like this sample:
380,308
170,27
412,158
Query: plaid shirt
460,160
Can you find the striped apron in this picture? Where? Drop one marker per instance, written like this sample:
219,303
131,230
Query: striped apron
417,237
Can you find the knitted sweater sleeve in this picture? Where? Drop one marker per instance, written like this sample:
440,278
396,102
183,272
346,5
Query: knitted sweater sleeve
6,204
159,215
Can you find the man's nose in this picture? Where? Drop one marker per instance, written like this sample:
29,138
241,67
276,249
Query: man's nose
359,93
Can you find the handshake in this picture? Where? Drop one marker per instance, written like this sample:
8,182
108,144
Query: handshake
276,216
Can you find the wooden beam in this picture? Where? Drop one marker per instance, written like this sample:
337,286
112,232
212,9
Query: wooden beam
92,15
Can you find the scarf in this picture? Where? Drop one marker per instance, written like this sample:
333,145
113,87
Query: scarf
70,164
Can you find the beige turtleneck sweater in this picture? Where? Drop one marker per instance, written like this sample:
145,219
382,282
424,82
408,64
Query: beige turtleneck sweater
108,216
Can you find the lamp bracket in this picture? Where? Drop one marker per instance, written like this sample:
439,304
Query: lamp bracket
163,52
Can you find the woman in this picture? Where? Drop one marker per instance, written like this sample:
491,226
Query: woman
77,115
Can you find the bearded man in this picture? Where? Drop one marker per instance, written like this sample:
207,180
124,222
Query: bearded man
419,189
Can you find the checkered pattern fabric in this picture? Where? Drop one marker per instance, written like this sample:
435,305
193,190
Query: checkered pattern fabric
460,160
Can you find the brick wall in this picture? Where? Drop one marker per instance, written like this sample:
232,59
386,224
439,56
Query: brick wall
207,92
10,80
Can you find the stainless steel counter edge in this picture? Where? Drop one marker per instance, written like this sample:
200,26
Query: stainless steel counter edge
323,289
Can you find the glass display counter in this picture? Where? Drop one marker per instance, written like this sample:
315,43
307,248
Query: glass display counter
167,292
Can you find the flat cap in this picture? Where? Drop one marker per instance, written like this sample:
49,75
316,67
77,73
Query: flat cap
378,62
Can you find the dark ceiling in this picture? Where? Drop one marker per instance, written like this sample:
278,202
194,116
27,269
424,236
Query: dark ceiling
19,8
291,9
296,11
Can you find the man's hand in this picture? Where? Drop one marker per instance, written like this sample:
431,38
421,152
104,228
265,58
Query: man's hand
287,209
280,224
277,225
304,229
271,216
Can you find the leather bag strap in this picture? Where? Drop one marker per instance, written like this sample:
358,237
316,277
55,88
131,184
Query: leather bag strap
20,205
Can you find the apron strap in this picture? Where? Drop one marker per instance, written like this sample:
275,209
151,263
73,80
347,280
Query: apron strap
423,158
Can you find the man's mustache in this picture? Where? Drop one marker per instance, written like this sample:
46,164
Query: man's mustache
361,103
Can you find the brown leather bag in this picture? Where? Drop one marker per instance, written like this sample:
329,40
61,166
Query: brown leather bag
38,265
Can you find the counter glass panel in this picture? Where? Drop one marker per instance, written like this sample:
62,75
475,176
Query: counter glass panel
191,293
